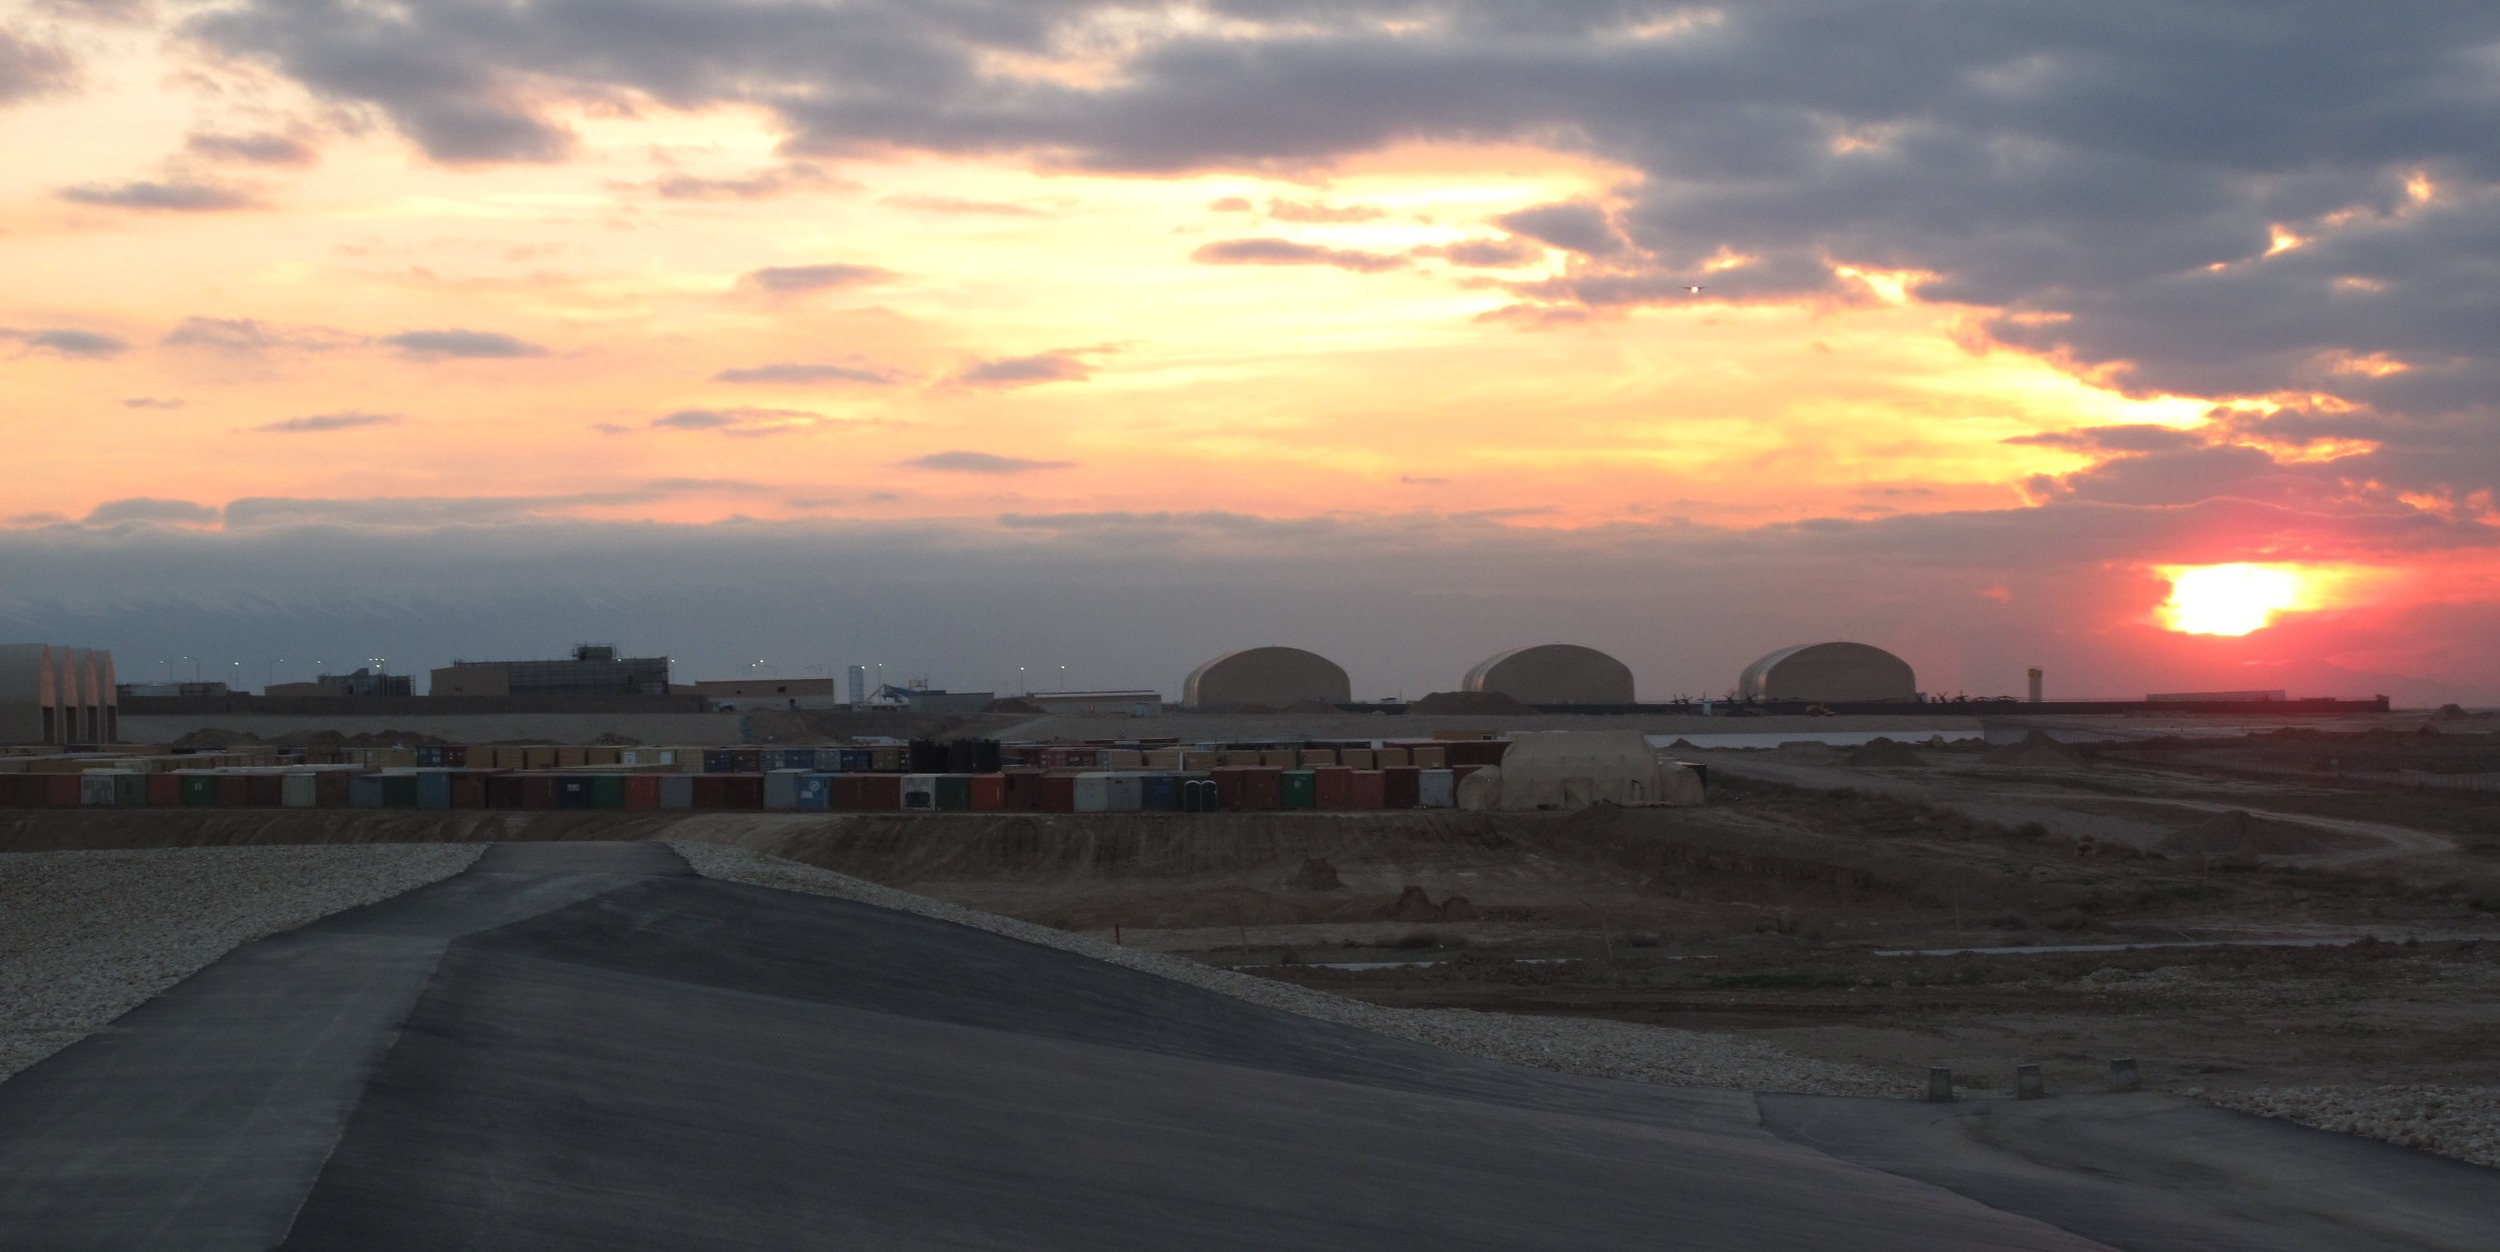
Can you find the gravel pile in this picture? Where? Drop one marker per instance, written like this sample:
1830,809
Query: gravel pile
2463,1122
88,936
1600,1049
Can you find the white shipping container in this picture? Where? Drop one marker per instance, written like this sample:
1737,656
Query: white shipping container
1093,793
1436,789
676,791
95,788
920,791
781,790
298,791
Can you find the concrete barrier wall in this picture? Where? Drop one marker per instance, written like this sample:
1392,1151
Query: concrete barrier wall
651,728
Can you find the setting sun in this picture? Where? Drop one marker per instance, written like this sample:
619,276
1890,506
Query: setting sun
2228,599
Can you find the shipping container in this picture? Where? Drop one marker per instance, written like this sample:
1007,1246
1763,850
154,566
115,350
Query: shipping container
1429,756
1160,793
642,792
573,791
677,791
234,791
199,789
1475,751
1358,758
1312,758
1057,793
781,788
130,789
571,756
1021,790
264,790
880,793
434,788
399,790
364,791
1391,758
711,790
1301,789
886,760
164,790
1167,760
1435,789
1123,759
1103,791
972,756
538,791
468,788
1371,789
538,757
95,790
920,791
1281,758
607,791
298,791
815,793
989,792
855,760
1332,787
954,793
601,754
507,791
1250,787
742,791
1399,787
925,756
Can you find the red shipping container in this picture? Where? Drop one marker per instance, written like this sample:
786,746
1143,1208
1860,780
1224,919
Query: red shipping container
8,789
1254,787
1475,751
843,795
268,791
330,789
1334,786
468,791
1401,787
742,791
538,791
1057,794
164,791
234,791
989,793
504,791
711,791
880,793
1371,790
61,791
642,792
1024,790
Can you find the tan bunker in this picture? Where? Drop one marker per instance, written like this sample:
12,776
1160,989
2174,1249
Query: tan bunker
1573,769
1853,672
1554,673
1272,677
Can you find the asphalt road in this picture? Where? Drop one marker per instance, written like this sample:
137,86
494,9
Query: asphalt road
582,1046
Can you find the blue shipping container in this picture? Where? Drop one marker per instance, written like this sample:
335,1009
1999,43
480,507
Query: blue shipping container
434,789
573,792
856,760
815,793
1161,793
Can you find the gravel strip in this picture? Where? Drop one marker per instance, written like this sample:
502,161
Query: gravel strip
88,936
1569,1045
2463,1122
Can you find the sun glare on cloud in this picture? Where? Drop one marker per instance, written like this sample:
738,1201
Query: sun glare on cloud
2231,599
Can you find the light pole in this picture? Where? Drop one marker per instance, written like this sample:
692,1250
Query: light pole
270,679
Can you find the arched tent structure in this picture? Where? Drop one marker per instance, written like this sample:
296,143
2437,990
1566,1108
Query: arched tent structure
1853,672
1273,677
1572,769
1553,673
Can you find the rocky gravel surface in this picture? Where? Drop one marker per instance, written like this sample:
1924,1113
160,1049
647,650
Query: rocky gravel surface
88,936
2463,1122
1602,1049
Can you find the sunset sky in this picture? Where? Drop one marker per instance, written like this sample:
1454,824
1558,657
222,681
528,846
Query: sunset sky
972,335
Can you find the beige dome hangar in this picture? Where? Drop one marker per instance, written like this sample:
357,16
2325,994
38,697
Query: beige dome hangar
1274,677
1554,673
1827,672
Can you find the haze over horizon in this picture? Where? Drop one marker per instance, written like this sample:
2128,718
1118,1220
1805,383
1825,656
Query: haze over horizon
969,337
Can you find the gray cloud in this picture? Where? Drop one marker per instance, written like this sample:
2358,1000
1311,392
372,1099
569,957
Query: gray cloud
1025,371
789,278
2115,439
1582,228
266,148
174,196
144,509
1485,253
80,344
442,344
2113,177
981,463
322,422
32,69
780,180
244,336
1287,252
800,372
743,423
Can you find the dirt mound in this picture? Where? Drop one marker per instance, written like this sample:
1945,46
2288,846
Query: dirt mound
1414,906
1025,707
1318,875
1469,702
2239,833
212,737
1881,752
2035,749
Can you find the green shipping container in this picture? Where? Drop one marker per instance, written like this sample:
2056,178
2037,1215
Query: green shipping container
954,792
130,790
607,791
399,791
1301,787
199,790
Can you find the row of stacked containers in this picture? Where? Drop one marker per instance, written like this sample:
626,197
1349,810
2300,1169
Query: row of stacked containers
874,779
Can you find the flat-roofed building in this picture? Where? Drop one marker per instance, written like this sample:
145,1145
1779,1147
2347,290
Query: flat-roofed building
55,694
594,669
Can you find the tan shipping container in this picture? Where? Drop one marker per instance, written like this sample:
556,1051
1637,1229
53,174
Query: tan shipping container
1357,758
1312,757
1124,758
1432,758
1391,758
